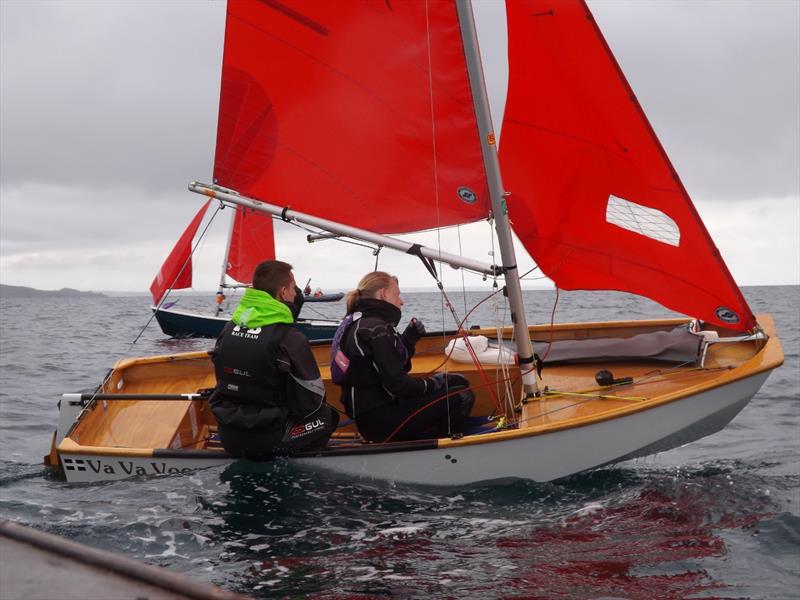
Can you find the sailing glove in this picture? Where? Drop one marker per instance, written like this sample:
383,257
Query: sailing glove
439,382
414,331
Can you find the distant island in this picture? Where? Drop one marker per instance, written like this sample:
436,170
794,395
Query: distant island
18,291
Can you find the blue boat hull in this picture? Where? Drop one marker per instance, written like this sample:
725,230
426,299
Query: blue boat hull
180,324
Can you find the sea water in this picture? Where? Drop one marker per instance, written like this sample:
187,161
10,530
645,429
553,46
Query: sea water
717,518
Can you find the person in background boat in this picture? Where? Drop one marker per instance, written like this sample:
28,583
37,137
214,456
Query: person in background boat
220,300
269,396
371,360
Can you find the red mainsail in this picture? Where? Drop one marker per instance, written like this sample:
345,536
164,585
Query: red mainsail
176,272
594,198
358,112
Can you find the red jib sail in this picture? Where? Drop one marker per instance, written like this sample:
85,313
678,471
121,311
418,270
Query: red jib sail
358,112
176,272
594,197
252,241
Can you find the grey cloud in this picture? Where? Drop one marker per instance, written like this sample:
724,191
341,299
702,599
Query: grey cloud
39,217
720,82
109,92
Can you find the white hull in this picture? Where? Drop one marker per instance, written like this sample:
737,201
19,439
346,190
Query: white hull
536,457
561,453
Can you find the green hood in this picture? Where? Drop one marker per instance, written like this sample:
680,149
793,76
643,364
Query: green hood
258,309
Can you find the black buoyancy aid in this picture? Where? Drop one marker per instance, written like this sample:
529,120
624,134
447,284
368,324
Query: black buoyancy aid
245,364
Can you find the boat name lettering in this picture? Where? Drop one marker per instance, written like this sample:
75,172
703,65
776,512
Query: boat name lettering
129,468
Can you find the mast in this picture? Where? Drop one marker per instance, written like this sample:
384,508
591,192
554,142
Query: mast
225,259
497,196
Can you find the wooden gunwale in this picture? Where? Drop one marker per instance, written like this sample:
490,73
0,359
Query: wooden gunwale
68,446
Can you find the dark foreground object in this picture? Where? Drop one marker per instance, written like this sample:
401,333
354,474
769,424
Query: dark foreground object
36,565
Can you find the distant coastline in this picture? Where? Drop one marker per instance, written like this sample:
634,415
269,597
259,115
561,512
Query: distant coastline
18,291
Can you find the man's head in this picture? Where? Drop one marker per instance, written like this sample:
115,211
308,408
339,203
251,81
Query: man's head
276,278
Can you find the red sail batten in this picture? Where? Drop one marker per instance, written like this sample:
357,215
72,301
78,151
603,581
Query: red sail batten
576,147
176,272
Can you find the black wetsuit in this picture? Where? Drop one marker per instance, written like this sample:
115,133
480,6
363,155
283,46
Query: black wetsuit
386,402
267,384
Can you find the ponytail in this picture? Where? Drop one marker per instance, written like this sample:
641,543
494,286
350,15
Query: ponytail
351,298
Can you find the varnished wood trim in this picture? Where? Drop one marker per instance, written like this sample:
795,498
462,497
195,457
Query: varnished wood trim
69,447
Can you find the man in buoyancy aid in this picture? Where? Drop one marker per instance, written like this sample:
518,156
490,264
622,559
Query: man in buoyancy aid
269,397
371,360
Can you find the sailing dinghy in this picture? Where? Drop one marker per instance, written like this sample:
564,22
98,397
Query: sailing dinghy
332,297
362,119
250,241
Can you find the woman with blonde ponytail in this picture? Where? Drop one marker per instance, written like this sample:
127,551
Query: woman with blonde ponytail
371,360
372,285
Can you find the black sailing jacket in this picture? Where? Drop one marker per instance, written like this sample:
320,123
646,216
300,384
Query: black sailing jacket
380,359
277,377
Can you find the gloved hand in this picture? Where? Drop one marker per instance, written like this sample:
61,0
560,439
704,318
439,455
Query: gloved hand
414,331
456,380
439,382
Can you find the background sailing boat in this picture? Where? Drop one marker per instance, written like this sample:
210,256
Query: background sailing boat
250,241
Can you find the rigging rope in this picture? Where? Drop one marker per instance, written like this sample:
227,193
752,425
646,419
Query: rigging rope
463,282
508,392
552,328
435,165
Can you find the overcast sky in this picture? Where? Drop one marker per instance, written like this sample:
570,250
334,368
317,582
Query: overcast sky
108,110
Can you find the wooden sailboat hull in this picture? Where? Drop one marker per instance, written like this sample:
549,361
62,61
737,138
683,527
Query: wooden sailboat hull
182,324
539,458
574,428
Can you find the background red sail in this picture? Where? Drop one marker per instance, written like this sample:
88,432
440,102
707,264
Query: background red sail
573,136
331,108
252,241
176,272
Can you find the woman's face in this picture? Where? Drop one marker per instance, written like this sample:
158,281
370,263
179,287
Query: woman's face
391,294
